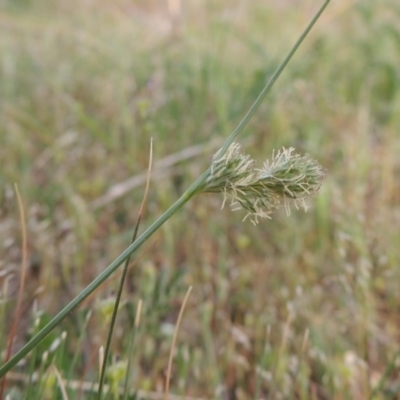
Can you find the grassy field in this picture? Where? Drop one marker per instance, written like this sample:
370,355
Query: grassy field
300,307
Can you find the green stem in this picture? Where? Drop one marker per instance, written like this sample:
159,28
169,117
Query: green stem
114,316
195,188
271,81
102,277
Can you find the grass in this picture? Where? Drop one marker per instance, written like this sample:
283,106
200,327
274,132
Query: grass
304,307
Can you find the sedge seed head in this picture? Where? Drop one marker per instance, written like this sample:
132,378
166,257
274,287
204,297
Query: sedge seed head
289,178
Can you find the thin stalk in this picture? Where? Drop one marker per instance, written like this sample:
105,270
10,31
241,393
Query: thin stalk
271,81
114,317
122,280
173,345
195,188
101,278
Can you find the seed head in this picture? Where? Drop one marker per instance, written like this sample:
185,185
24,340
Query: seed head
288,178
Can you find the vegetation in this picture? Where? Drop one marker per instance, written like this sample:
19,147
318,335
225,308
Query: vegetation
305,307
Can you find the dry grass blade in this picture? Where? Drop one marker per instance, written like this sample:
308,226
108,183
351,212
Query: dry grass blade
171,354
123,276
101,359
61,383
146,190
138,313
21,290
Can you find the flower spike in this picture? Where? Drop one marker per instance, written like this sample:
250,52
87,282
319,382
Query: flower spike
288,179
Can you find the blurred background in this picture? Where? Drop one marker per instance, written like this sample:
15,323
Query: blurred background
299,307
